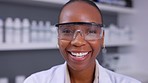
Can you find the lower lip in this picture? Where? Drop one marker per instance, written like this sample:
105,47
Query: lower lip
79,58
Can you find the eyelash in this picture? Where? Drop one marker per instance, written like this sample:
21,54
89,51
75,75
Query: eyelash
67,31
92,31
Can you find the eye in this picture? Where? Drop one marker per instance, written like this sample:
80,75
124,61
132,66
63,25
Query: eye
92,32
67,31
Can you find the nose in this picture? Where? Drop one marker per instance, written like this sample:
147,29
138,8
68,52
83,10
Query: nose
78,40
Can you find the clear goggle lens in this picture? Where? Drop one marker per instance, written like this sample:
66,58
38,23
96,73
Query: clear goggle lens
89,31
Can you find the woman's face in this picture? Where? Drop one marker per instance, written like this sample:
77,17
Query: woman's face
80,12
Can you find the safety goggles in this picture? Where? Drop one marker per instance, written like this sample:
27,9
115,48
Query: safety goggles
88,30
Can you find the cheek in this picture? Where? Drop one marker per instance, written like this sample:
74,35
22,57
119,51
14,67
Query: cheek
62,47
96,46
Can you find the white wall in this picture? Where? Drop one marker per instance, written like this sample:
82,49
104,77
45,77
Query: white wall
137,58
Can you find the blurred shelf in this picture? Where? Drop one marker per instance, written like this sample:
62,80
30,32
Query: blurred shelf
59,3
40,46
118,9
27,46
104,7
119,43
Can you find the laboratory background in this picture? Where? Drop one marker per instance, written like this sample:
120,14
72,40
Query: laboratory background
28,37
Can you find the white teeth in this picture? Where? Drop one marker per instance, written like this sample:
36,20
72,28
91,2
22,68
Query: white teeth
79,54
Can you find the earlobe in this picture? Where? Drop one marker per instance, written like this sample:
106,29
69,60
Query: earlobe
103,41
104,50
58,43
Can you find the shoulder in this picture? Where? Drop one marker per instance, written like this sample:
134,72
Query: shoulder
44,76
118,78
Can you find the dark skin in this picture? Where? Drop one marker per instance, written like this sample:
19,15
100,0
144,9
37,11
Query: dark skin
81,71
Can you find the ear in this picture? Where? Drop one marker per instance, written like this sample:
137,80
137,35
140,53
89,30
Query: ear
58,43
102,40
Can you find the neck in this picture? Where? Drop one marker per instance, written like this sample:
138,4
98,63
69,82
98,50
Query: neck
83,76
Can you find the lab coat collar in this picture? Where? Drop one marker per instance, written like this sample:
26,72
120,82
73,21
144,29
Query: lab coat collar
103,76
100,74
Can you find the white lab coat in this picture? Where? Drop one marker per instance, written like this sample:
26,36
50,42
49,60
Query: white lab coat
57,74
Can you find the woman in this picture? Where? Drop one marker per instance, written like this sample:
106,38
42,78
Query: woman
80,39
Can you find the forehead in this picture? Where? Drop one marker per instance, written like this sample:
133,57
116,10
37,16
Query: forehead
80,12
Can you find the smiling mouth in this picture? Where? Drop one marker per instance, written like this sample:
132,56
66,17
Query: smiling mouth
79,54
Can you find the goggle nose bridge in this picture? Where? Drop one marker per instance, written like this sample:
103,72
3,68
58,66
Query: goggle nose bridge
76,32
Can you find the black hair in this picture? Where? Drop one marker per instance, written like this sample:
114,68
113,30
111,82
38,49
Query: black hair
86,1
